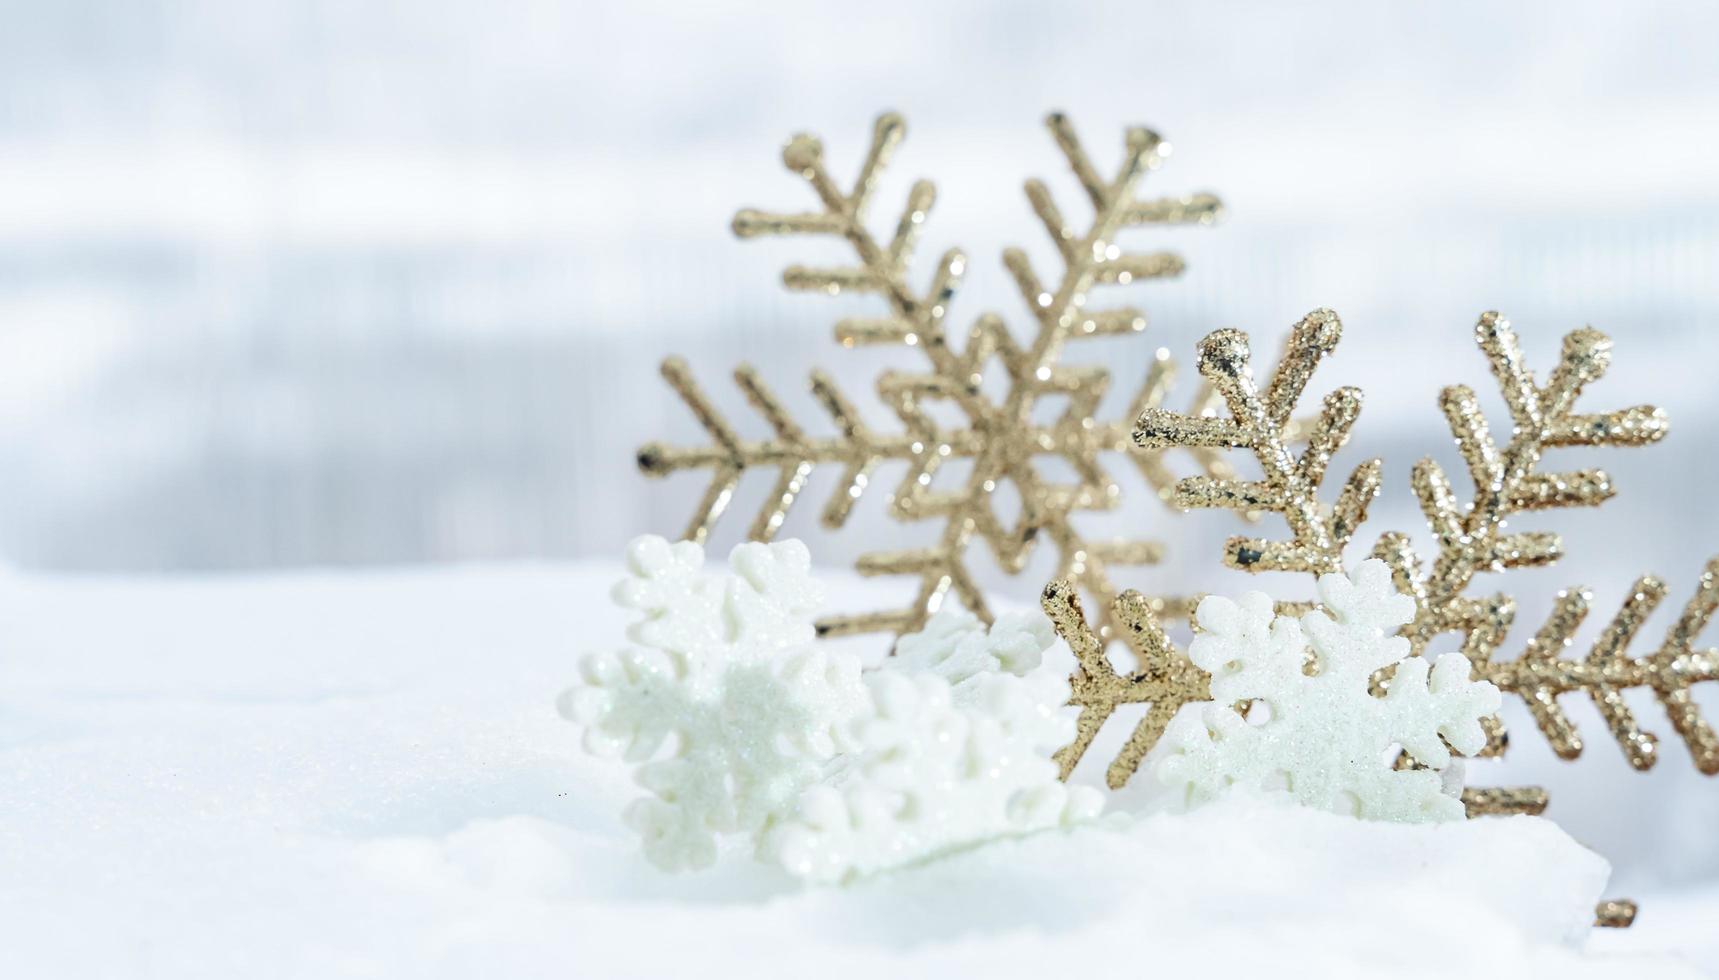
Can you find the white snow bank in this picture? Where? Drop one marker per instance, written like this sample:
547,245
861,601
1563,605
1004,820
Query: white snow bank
364,776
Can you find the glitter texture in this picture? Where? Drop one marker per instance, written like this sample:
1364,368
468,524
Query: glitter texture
1165,678
1001,439
1257,420
1472,538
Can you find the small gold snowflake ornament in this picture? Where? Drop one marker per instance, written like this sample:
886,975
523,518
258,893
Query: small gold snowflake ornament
1001,439
1472,535
1472,538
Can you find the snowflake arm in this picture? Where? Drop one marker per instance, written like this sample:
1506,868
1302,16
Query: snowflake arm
1435,704
1671,671
1165,679
1246,649
1258,422
1472,537
705,620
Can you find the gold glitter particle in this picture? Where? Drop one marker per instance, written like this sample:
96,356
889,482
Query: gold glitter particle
1002,440
1615,914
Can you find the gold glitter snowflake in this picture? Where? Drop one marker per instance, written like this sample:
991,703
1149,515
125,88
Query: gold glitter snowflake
1472,538
1001,439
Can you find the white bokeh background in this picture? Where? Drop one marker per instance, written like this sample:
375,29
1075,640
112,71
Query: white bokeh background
361,283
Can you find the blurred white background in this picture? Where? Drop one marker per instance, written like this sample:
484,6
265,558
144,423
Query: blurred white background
355,281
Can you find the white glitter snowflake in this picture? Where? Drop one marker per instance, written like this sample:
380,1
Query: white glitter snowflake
727,672
739,724
938,766
1311,727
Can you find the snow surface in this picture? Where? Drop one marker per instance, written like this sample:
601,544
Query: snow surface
363,775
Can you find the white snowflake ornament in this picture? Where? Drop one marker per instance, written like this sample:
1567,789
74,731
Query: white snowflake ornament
728,674
1312,729
740,724
936,767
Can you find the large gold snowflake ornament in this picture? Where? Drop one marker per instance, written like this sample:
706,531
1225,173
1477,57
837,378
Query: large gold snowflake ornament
1001,439
1471,535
